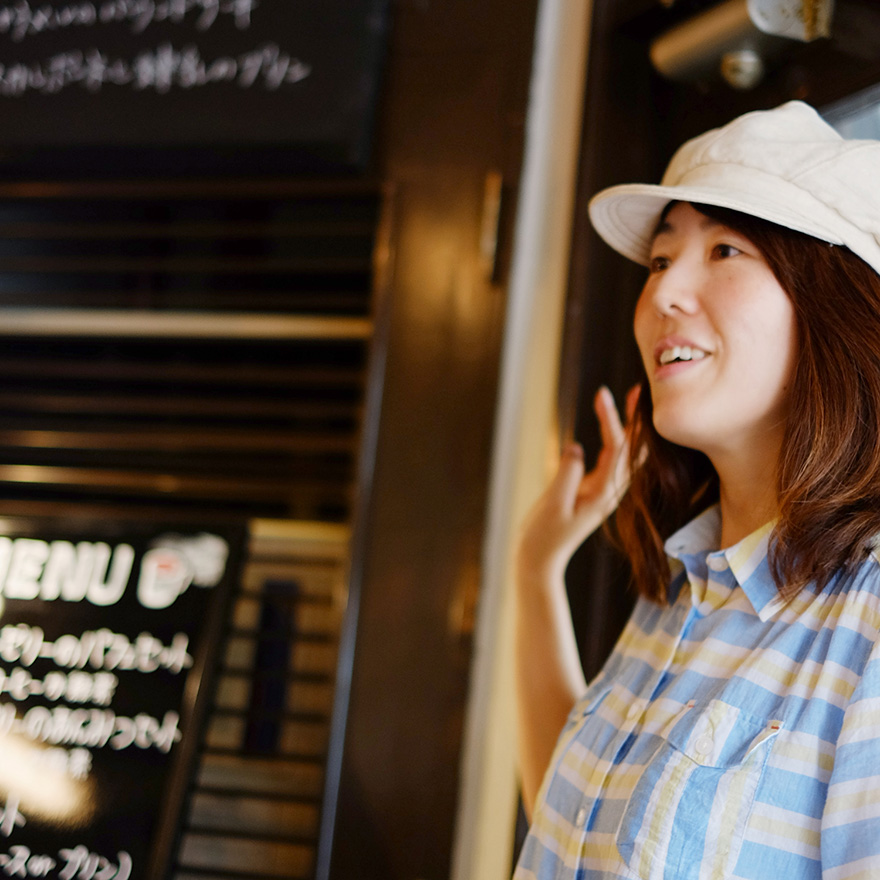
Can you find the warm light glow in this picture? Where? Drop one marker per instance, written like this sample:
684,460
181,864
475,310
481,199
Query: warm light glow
44,789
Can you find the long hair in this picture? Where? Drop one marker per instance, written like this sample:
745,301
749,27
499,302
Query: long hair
828,475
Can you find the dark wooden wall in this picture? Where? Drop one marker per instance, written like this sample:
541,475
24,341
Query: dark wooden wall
454,110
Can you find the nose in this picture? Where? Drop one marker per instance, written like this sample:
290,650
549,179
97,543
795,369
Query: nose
674,290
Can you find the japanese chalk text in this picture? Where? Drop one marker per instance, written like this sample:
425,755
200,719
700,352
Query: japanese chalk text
25,19
98,649
77,863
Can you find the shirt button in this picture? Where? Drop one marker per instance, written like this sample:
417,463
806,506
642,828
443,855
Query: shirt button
717,563
581,819
704,745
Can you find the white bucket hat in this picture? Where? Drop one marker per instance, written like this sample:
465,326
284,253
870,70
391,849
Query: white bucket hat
786,165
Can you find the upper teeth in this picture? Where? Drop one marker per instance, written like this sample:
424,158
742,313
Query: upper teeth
681,353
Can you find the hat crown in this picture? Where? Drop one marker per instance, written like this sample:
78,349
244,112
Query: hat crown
784,142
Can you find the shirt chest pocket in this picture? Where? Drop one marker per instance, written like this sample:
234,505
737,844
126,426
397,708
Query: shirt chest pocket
689,808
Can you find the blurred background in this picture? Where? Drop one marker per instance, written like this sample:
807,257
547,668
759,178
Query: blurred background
320,272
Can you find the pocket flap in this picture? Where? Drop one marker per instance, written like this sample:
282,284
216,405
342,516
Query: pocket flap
717,734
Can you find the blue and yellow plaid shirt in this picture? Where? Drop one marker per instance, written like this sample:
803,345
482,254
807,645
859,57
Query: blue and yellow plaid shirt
731,734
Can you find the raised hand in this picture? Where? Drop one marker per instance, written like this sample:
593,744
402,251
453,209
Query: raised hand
577,502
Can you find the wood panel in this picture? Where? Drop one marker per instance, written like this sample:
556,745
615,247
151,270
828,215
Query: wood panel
454,110
179,344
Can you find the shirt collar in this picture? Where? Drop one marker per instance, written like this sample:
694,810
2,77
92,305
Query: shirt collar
689,548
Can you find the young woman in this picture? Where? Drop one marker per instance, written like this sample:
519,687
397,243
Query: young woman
735,730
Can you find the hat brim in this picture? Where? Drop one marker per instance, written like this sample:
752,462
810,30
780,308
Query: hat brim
626,216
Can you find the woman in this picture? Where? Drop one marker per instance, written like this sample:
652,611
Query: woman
735,730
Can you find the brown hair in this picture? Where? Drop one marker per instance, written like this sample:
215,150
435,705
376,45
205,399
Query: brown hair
828,476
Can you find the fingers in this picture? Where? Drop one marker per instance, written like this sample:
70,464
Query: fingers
595,493
610,426
576,502
569,475
612,473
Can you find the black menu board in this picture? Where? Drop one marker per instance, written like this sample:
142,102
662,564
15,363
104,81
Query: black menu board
203,73
108,635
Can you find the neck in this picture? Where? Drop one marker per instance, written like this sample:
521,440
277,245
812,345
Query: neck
747,496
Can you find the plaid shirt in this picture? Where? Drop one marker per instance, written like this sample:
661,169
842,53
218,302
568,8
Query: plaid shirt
730,734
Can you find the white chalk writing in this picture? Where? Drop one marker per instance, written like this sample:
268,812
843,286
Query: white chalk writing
10,817
100,649
8,718
76,763
97,728
76,863
160,69
19,862
85,865
22,19
75,687
20,643
79,762
34,569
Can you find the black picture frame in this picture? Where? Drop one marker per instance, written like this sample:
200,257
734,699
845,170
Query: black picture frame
125,813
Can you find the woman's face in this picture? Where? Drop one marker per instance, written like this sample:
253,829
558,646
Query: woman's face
717,336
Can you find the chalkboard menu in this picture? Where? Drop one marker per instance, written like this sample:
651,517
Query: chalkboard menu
201,73
106,635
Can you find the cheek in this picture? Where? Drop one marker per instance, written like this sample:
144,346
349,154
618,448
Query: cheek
791,340
643,329
766,341
775,330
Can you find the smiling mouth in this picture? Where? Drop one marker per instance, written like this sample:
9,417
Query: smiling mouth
680,353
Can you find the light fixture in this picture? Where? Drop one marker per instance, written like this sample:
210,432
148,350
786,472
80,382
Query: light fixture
735,38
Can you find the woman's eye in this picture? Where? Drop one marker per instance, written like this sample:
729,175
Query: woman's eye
658,264
723,251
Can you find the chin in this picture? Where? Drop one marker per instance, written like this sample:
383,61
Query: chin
680,434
